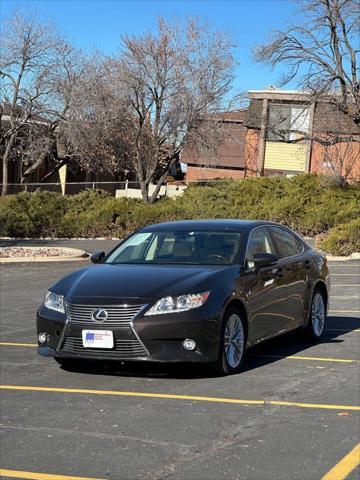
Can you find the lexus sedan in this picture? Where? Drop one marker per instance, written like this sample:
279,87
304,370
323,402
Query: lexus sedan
187,291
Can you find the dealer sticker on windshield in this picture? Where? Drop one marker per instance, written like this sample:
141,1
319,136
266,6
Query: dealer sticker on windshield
98,338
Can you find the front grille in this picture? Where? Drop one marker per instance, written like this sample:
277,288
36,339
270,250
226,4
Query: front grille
118,315
122,348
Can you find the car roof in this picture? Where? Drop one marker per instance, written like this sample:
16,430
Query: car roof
217,224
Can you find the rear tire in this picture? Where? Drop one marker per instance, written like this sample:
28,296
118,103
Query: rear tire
317,317
232,343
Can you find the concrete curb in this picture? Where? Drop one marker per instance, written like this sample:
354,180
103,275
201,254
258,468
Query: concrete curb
75,254
333,258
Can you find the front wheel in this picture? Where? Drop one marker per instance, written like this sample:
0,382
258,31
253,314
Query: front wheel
232,343
317,317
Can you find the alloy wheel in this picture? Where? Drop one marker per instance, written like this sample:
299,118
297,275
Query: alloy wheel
234,339
318,314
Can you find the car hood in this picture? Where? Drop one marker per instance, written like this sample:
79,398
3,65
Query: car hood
137,281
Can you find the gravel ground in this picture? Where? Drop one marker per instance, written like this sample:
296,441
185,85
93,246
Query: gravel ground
25,252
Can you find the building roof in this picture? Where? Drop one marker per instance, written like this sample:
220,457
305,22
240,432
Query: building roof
327,117
236,116
231,152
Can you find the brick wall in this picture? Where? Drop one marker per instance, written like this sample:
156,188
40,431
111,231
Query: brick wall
208,173
344,157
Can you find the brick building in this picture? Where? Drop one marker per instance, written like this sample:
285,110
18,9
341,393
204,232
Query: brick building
229,159
277,135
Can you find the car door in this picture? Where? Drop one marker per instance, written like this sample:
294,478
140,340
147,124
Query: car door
265,289
290,252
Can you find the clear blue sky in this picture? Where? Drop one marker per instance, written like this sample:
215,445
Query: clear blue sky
99,24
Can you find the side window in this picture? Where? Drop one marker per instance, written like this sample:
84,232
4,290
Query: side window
259,242
286,244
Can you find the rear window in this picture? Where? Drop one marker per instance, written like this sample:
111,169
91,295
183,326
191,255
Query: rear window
286,244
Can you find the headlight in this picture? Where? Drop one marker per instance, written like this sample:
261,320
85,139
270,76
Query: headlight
53,301
178,304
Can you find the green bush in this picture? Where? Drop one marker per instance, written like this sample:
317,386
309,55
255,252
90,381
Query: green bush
31,214
305,203
343,239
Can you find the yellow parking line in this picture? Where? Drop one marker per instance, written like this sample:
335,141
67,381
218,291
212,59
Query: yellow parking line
315,359
346,465
15,344
169,396
40,476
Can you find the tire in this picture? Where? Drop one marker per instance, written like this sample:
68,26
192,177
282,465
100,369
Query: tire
317,317
232,343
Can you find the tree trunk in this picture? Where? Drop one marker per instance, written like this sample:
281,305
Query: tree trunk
5,178
33,167
144,190
161,181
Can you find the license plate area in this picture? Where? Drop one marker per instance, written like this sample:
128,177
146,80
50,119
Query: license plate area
97,339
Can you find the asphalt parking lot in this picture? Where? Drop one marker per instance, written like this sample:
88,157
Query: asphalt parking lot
292,414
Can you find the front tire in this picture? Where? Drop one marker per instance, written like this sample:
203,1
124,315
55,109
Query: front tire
232,343
317,317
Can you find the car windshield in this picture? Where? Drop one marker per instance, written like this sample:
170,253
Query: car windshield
178,247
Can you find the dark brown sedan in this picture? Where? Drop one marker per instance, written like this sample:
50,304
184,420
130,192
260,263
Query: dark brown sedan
189,291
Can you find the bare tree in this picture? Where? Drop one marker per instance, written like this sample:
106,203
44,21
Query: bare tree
38,71
322,51
167,82
341,161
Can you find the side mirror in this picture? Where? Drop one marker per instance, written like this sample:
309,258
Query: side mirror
264,260
97,257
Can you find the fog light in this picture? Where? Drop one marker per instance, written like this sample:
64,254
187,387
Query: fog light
189,344
42,337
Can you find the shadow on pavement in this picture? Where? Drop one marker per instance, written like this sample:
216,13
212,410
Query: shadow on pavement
282,346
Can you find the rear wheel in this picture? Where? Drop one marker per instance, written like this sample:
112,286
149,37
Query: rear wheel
232,343
317,317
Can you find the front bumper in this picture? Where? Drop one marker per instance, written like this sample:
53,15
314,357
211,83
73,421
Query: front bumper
155,338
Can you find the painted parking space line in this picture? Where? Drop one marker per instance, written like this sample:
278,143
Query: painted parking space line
313,359
40,476
346,465
348,330
344,265
344,274
289,357
357,297
344,311
169,396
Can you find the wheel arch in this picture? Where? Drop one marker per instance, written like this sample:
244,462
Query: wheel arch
320,285
238,303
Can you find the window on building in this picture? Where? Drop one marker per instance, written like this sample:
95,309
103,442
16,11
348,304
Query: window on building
287,122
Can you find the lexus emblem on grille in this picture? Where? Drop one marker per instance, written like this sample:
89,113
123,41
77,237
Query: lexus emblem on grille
100,315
